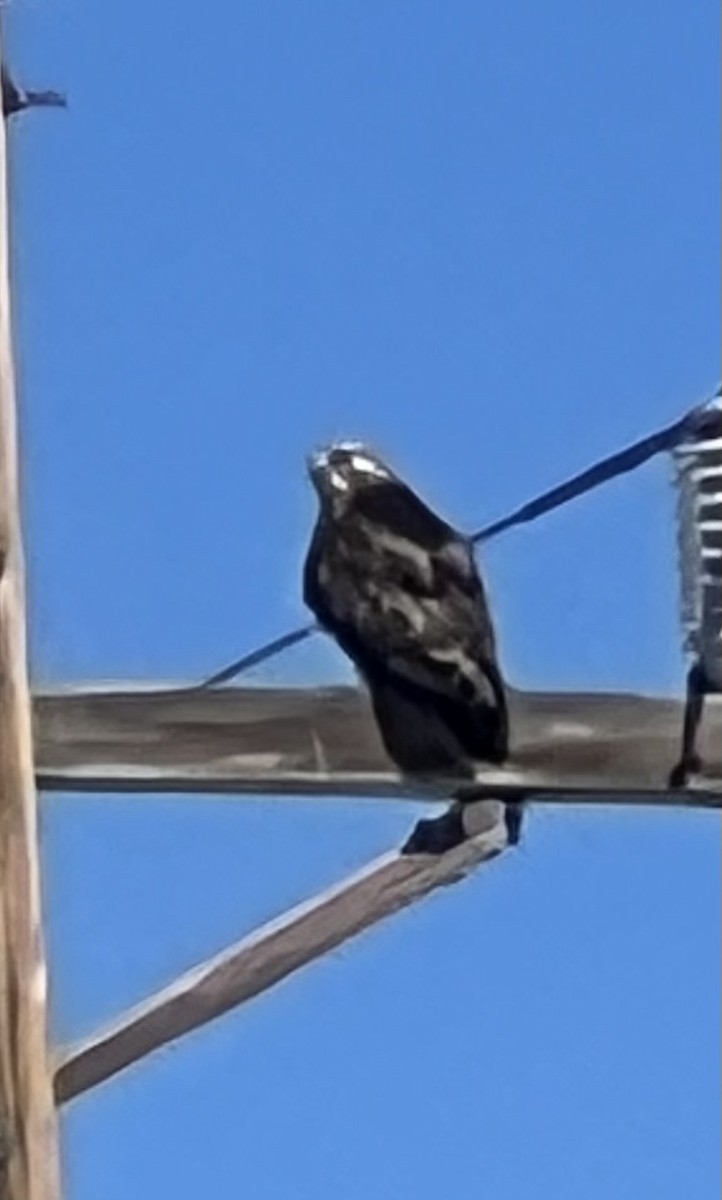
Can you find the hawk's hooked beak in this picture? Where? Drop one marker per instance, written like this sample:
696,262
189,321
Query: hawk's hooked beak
317,460
317,465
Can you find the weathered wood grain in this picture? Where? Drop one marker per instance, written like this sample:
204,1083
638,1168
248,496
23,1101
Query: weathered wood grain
271,953
322,741
28,1136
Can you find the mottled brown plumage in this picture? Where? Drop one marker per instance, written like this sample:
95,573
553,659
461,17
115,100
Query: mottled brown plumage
399,590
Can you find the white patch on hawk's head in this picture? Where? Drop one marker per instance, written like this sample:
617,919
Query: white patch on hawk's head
338,481
344,465
361,459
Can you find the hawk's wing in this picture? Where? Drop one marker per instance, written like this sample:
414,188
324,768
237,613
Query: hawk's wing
400,591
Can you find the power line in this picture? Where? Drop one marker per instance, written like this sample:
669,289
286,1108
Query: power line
600,472
607,468
277,646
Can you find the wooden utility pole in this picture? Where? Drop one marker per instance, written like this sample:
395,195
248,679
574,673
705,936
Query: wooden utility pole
28,1130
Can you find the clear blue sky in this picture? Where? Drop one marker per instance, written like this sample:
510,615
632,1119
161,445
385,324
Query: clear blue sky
485,237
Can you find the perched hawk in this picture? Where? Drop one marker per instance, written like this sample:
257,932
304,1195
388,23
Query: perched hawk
399,591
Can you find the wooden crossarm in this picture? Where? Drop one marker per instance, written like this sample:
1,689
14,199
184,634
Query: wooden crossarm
322,741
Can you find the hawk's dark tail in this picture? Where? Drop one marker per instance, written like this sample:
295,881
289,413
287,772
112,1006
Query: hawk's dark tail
432,734
415,735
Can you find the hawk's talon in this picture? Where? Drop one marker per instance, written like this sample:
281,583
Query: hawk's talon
680,775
